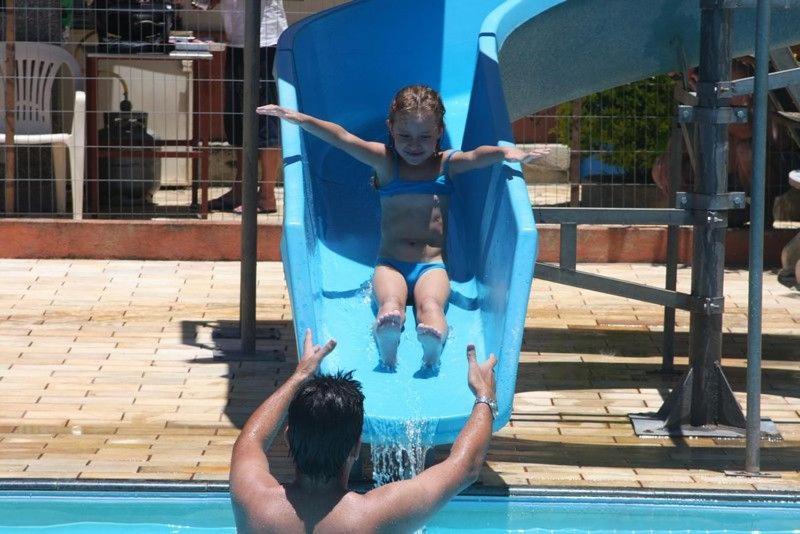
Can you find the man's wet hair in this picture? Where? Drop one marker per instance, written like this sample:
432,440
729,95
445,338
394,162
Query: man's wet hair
325,420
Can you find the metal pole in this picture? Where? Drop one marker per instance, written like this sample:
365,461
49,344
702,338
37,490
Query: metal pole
11,106
708,261
247,294
675,172
753,440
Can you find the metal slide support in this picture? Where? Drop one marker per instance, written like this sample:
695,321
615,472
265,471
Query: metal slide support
756,267
704,400
703,403
671,282
708,247
567,258
776,80
247,287
614,215
783,59
622,288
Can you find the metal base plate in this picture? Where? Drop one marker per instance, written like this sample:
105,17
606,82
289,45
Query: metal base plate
233,332
747,474
650,426
235,355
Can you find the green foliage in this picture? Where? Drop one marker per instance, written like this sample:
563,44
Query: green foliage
627,126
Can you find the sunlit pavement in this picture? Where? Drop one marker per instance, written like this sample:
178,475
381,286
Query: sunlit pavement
107,370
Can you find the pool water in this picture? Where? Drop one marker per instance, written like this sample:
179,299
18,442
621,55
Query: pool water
190,513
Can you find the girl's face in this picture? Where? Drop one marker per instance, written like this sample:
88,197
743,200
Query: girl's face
415,136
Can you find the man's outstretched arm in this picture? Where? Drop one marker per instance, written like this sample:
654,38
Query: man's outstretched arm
406,506
249,464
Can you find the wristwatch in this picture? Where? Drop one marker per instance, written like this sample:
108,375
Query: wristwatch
491,403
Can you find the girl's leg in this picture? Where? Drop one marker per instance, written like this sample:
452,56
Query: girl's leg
391,293
430,297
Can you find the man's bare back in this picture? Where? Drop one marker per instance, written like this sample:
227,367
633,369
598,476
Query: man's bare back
322,504
288,509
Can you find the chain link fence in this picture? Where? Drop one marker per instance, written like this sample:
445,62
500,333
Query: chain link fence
610,150
157,134
162,83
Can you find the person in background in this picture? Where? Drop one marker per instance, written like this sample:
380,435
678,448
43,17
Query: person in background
325,417
789,275
740,153
273,23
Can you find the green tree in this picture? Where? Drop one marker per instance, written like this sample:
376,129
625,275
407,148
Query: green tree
626,126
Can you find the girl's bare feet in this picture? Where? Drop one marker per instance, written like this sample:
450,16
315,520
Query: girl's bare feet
387,336
432,341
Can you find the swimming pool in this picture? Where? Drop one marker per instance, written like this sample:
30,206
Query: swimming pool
577,511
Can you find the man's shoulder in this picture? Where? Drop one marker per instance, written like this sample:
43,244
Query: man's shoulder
261,509
262,494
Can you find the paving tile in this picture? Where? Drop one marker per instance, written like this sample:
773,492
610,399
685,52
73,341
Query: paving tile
100,378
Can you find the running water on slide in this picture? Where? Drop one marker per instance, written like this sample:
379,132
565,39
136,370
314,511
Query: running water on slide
344,65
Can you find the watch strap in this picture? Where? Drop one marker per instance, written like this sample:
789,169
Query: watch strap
491,403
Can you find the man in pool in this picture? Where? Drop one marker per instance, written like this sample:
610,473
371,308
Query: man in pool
325,415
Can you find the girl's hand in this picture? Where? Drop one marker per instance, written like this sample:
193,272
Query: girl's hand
277,111
514,154
312,356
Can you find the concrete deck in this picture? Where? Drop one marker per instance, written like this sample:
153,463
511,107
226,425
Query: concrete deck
107,372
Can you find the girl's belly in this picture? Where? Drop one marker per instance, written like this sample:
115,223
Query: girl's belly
410,250
413,229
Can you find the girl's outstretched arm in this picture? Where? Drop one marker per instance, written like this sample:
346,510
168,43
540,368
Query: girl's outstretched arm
368,152
486,155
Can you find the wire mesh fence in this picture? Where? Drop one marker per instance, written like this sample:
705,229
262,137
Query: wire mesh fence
158,134
162,83
612,147
606,145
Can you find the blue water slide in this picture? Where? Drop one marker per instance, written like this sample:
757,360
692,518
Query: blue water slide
345,65
492,61
558,50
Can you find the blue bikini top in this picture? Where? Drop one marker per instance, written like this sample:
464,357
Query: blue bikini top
441,185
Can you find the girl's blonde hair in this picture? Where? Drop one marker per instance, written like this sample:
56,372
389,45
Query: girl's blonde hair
417,99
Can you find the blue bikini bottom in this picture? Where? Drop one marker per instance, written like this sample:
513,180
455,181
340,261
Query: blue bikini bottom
411,271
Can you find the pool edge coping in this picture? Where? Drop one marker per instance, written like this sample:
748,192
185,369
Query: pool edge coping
572,492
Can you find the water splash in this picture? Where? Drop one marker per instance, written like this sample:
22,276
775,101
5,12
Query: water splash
404,459
365,293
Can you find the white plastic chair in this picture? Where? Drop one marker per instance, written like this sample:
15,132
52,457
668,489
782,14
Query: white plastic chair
37,67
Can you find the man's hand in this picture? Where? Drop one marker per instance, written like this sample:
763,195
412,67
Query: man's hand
312,356
282,113
513,154
481,375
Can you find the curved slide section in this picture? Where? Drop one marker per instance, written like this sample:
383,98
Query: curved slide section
555,51
345,64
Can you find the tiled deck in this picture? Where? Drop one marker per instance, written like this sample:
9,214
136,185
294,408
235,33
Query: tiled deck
106,371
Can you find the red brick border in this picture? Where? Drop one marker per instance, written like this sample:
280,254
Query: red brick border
220,241
141,240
